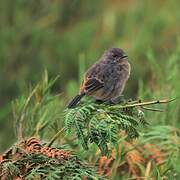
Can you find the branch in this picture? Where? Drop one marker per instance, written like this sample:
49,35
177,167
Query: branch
22,116
151,109
55,137
165,101
38,128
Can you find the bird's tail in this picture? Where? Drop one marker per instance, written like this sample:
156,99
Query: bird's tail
75,100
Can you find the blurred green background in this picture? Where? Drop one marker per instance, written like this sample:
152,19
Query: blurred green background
64,36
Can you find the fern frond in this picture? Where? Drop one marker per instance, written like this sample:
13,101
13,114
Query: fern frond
79,124
28,163
10,170
69,120
101,124
77,119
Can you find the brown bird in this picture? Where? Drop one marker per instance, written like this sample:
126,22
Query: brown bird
106,79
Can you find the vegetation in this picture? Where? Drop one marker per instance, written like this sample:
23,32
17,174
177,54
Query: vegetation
31,160
102,135
138,142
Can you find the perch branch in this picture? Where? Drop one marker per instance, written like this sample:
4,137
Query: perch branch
165,101
152,109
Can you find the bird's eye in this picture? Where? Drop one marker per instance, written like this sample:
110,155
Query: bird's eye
115,55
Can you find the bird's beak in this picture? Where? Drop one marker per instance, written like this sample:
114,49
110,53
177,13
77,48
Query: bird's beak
124,56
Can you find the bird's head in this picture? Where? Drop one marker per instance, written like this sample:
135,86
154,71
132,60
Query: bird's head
115,55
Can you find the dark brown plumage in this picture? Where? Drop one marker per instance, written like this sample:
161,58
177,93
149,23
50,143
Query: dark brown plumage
106,79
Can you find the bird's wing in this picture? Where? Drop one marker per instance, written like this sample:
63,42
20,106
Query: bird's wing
90,85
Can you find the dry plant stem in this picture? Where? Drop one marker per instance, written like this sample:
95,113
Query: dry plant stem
55,137
144,103
38,128
22,115
151,109
148,170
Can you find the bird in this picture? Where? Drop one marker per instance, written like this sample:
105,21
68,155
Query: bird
106,79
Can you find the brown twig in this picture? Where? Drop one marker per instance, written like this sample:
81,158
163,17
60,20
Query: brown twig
165,101
55,137
152,109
